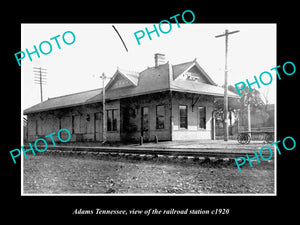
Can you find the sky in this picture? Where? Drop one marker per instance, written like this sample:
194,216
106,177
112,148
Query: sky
98,49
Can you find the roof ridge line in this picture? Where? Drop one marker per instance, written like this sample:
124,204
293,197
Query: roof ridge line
75,93
170,69
127,70
191,61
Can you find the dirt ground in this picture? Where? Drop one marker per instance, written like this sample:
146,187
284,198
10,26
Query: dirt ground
77,174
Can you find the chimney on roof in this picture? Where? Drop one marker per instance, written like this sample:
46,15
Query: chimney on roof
159,59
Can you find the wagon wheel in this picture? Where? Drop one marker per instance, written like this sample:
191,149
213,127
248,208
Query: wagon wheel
243,138
248,139
240,138
269,138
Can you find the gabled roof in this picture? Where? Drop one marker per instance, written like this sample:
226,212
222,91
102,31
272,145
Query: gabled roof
153,79
150,80
131,76
63,101
179,69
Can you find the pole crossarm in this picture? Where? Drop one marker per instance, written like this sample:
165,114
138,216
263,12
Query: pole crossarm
40,78
227,33
39,68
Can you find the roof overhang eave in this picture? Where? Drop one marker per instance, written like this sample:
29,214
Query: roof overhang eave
54,108
204,93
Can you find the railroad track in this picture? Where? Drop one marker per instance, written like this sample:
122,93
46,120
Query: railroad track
209,152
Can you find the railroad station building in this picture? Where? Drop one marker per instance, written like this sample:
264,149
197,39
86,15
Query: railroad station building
168,102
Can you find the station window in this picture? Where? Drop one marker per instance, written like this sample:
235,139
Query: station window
202,117
160,116
112,120
183,116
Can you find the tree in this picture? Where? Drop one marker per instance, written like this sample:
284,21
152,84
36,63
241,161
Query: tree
251,98
248,100
266,95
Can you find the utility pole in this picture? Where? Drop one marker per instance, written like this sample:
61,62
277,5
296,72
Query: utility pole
226,88
40,78
103,109
249,118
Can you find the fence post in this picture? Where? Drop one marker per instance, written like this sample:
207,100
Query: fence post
141,140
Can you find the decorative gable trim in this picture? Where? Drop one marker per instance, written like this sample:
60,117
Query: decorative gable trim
205,74
132,81
195,63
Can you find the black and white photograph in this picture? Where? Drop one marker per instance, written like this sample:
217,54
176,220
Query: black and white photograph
149,109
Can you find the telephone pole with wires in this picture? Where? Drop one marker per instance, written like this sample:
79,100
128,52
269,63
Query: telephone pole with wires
226,88
40,78
103,77
104,129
